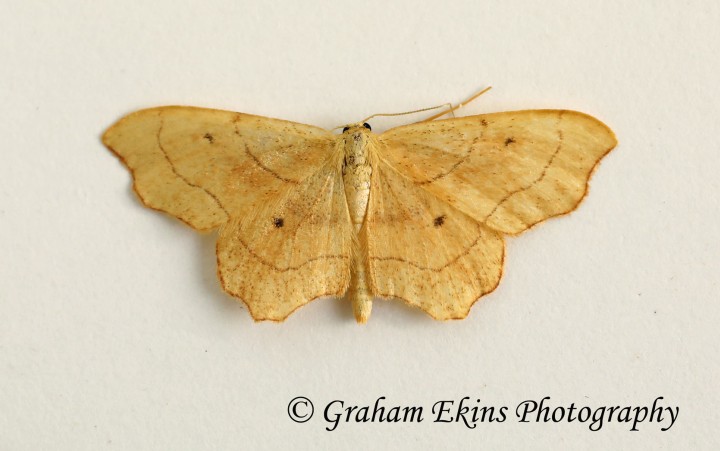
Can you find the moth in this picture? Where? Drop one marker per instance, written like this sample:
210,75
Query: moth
416,213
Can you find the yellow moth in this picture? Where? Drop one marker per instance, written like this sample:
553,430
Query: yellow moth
416,213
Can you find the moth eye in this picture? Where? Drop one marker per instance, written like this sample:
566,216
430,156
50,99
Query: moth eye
366,125
346,129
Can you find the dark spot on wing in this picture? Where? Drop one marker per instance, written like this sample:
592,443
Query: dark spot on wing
484,122
440,220
509,141
209,137
279,222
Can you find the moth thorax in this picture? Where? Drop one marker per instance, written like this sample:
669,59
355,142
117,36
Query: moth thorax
356,173
356,148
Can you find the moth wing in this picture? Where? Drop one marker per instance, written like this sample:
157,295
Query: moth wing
203,166
507,170
274,187
425,251
290,251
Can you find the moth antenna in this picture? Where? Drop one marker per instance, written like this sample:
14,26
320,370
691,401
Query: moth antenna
458,106
450,109
393,114
404,112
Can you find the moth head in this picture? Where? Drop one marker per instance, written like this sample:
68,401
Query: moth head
356,134
358,126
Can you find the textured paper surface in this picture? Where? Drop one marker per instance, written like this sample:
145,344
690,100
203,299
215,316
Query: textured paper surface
114,332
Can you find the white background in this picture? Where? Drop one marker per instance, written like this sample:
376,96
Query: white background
115,333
